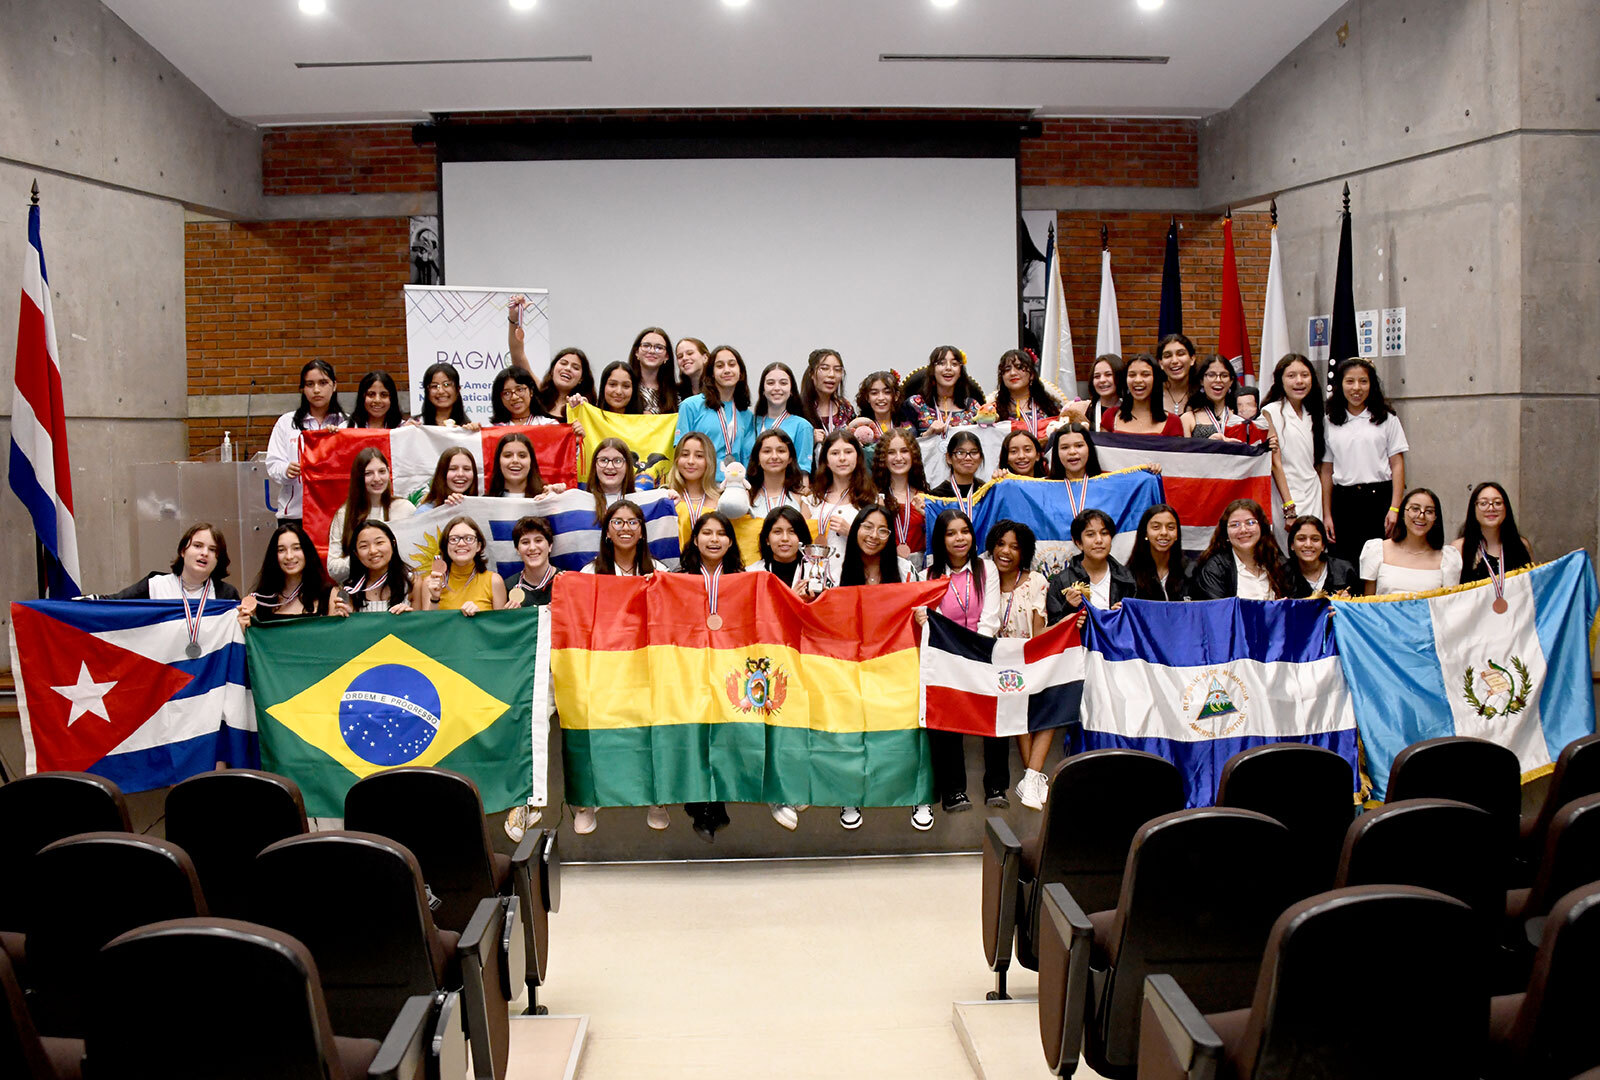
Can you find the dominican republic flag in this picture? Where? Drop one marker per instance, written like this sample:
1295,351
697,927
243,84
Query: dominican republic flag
979,685
571,516
1199,476
41,475
1451,665
413,453
104,686
1198,682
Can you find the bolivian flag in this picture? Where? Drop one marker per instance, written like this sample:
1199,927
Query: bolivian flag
788,702
340,699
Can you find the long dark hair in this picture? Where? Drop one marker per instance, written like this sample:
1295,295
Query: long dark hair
1158,408
939,552
794,478
633,406
1027,543
1306,521
1038,396
628,479
1040,469
708,381
1514,551
667,393
965,391
1377,405
1435,536
458,411
358,418
1091,464
1315,404
1197,373
862,489
797,522
220,570
605,560
314,584
547,390
808,381
1142,564
438,490
396,575
497,482
691,562
356,503
794,406
896,403
854,570
303,410
498,413
1114,362
1188,380
1267,554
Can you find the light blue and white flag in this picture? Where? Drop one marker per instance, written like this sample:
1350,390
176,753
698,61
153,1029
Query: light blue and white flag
1451,665
1198,682
1048,507
571,516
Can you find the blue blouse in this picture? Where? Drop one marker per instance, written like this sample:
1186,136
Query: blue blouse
800,432
695,415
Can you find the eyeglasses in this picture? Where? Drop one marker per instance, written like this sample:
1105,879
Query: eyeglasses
463,541
1491,504
1418,510
1243,526
614,462
649,346
967,453
441,386
1220,376
629,524
515,389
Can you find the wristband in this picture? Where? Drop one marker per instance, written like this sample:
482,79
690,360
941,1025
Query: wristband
1289,505
1394,509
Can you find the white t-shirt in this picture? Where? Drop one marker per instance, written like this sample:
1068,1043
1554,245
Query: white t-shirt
1100,591
1360,450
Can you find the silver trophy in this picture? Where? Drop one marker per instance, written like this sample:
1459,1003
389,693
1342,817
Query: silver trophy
818,566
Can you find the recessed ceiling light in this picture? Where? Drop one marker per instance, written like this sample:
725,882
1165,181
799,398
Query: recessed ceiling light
735,3
944,3
313,7
1150,5
523,5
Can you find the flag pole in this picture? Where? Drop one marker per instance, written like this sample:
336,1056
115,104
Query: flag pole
41,564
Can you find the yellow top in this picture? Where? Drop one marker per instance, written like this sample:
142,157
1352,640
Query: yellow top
462,586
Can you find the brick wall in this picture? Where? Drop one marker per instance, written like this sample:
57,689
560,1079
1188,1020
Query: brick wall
360,160
1114,153
262,299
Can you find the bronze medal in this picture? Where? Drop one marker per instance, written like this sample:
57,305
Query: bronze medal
713,621
904,551
1500,605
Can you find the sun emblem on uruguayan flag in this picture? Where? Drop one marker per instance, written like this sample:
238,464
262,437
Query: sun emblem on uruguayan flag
761,688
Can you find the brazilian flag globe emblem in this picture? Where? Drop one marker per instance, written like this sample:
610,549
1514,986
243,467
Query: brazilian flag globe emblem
340,699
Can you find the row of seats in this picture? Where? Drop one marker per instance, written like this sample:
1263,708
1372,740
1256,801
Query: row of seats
362,901
1151,888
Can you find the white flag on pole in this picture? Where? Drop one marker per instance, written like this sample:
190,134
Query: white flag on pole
1108,339
1056,343
1275,319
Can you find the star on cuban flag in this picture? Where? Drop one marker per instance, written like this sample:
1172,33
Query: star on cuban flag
87,696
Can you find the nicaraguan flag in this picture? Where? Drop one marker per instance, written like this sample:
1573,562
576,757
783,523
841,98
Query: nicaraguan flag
1198,682
1450,665
1048,507
104,686
979,685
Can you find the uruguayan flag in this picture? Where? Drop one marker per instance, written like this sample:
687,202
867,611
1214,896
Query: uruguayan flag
571,515
1196,683
1451,665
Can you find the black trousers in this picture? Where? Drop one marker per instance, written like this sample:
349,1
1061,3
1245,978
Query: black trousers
1358,513
948,750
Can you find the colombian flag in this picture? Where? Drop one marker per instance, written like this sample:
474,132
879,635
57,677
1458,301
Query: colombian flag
788,702
651,438
340,699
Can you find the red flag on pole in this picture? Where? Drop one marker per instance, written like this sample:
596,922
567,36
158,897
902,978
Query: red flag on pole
1232,340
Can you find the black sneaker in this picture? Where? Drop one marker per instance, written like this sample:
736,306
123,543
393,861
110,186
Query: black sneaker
996,799
954,804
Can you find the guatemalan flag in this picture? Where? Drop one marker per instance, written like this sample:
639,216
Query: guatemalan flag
105,686
1198,682
1452,665
979,685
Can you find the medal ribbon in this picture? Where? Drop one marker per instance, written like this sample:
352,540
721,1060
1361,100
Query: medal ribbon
262,598
1005,618
1497,570
713,579
549,572
1079,500
730,432
191,621
902,520
964,603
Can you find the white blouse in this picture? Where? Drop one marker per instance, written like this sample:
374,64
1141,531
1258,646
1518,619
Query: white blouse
1297,449
1359,449
1010,615
1256,586
1405,579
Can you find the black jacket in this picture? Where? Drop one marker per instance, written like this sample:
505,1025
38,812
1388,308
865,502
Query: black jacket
1056,607
1218,579
140,590
1180,587
1341,576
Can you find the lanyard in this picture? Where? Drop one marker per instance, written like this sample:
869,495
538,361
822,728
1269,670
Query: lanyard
191,620
285,602
713,580
1079,499
1222,424
1497,576
1005,619
730,431
522,579
964,501
696,510
964,603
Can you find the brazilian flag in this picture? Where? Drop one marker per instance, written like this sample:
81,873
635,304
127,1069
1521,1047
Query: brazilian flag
338,699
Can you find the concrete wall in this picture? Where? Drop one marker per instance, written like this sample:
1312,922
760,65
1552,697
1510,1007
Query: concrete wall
121,145
1469,132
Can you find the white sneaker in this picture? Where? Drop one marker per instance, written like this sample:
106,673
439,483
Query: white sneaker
519,819
656,818
1030,790
787,816
1041,787
583,822
850,817
922,817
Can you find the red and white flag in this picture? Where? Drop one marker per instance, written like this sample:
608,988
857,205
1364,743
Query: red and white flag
1199,477
979,685
41,474
1233,341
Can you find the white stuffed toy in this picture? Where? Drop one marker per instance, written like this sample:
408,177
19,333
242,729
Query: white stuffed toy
735,501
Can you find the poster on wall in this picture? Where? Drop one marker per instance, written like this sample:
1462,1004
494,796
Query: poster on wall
426,266
466,327
1037,230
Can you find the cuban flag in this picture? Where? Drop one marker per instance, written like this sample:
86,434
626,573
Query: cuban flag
1200,478
41,474
105,686
571,517
979,685
1452,665
1198,682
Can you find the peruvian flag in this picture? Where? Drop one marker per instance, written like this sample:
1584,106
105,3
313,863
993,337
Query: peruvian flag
1232,341
326,458
979,685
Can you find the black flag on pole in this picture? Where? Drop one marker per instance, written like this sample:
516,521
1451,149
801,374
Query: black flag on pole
1170,320
1342,343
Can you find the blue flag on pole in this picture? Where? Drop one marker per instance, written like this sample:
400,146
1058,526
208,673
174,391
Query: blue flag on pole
1451,665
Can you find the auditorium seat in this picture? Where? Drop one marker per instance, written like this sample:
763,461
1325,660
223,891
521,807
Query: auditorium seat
24,1053
357,901
83,891
1368,982
1310,789
1571,859
1544,1033
438,815
1097,802
1201,890
45,807
1576,774
1440,844
223,819
192,999
1469,770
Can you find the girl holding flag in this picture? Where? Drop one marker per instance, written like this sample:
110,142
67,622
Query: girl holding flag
371,496
722,410
1141,411
1488,541
291,582
712,551
943,395
964,454
318,410
689,480
1092,576
1243,559
380,580
840,488
1214,408
1015,608
1022,395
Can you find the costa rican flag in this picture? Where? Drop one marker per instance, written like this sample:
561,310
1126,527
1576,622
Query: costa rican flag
979,685
41,475
1200,477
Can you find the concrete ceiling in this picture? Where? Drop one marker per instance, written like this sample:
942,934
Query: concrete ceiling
705,54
